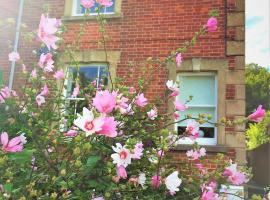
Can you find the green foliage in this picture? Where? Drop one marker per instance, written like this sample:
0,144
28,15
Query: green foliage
257,134
257,87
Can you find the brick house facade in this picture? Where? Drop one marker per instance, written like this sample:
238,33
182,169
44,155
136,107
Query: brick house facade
142,29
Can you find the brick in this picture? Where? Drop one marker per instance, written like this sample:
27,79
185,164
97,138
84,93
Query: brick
235,107
236,19
235,48
235,77
240,62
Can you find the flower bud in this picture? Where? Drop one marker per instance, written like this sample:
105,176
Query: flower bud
63,172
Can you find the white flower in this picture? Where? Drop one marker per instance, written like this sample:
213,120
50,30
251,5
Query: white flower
23,138
171,85
87,122
173,183
122,155
152,114
202,152
141,179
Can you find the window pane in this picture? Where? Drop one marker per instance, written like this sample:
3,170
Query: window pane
194,112
81,10
202,88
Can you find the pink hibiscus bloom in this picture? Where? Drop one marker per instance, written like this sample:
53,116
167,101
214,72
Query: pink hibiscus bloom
46,62
210,195
109,127
132,90
88,123
152,114
122,104
176,115
76,91
59,75
234,176
87,3
121,172
71,133
192,129
196,154
105,101
47,30
138,151
40,100
141,100
211,25
34,73
14,56
156,181
14,145
258,115
45,91
178,59
106,3
180,106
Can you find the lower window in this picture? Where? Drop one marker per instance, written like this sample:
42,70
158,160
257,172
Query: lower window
203,89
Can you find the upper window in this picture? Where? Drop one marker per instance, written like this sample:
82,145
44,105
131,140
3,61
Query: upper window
203,88
79,10
90,74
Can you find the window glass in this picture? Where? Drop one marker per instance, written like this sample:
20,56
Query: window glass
80,10
203,89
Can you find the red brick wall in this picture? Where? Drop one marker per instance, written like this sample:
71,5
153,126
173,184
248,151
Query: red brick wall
148,29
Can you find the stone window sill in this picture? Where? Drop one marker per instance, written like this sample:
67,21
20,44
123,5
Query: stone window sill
213,149
91,17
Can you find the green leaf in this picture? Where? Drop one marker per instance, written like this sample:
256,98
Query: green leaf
21,157
8,187
92,161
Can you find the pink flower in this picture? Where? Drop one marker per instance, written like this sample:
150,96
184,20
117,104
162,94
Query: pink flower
105,101
132,90
87,3
196,154
178,59
122,156
106,3
13,56
46,62
173,87
71,133
108,128
210,195
211,25
156,181
121,172
160,153
152,114
14,145
40,100
76,91
45,91
59,75
179,106
141,100
24,68
34,73
192,129
138,151
176,115
88,123
234,176
47,30
258,115
122,104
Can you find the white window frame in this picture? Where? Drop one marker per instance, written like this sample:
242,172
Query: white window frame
201,141
75,6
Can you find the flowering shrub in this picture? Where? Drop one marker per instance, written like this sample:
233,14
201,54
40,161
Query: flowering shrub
116,148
